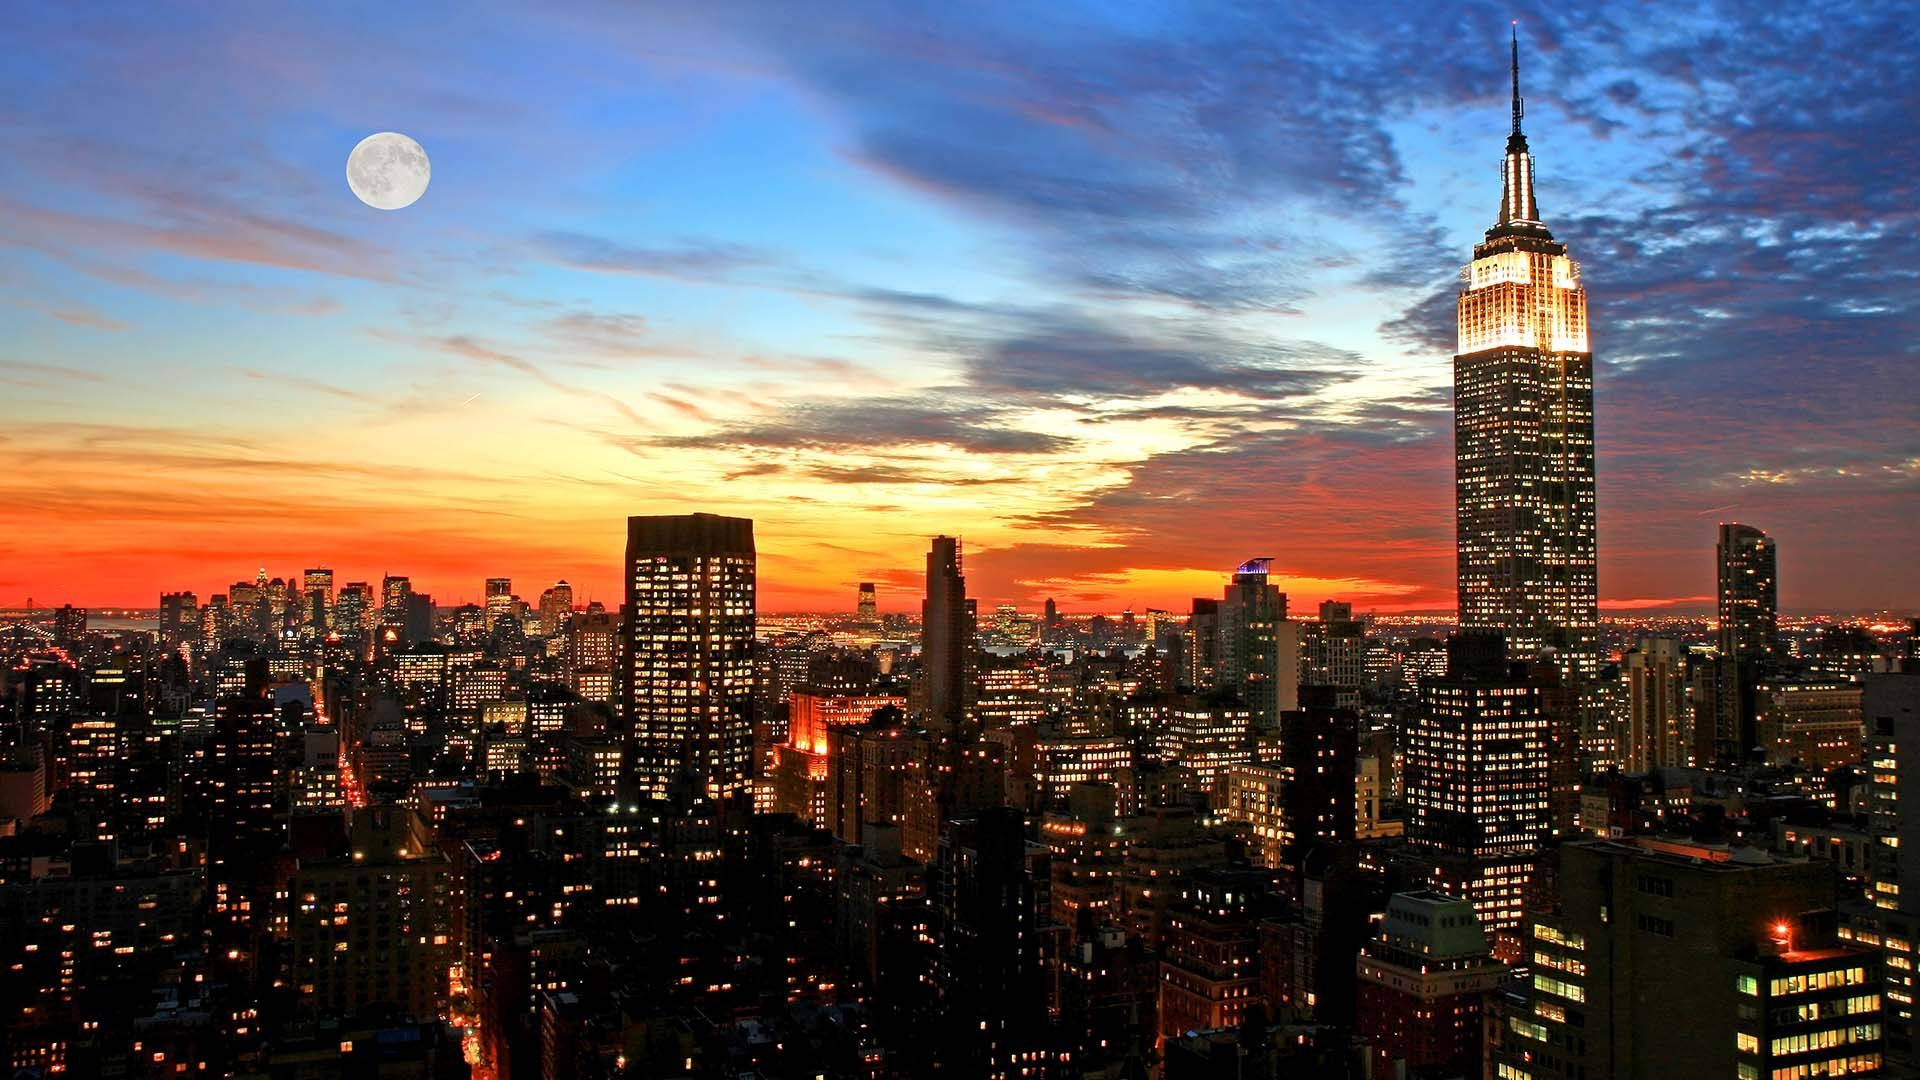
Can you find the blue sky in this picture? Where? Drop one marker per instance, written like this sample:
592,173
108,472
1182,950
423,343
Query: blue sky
1122,293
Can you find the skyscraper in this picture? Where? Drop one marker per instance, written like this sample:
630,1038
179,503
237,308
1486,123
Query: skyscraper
1259,648
556,607
499,600
394,590
179,615
319,588
947,633
1748,591
687,647
1523,434
867,608
354,609
1658,731
1479,778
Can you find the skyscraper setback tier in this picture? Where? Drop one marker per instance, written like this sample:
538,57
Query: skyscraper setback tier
688,650
1523,434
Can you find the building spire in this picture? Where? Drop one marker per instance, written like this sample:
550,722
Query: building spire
1517,208
1519,107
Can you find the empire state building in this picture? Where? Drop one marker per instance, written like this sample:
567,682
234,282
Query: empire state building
1523,433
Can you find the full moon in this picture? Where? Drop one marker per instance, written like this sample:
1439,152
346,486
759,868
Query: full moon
388,171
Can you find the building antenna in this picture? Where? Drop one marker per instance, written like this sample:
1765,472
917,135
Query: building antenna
1519,106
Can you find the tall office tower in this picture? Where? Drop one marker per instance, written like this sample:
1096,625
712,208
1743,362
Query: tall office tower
394,590
1337,652
687,645
1658,729
1479,778
947,637
276,603
1423,983
1749,594
179,617
354,608
1253,657
1523,434
246,618
1668,958
499,600
867,609
319,586
556,607
1050,615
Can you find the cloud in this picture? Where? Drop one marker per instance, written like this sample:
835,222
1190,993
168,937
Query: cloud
957,421
707,262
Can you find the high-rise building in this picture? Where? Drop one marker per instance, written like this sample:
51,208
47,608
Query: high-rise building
1749,638
556,607
687,645
948,630
354,610
1202,640
318,584
1523,434
1259,649
1749,606
1814,723
1891,918
69,624
1336,648
1208,736
1658,725
394,590
179,617
1301,799
1479,777
1668,958
867,607
499,600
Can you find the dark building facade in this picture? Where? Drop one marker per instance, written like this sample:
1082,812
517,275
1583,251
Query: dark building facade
948,632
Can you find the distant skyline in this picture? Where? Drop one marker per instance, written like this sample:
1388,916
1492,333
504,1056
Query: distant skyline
1120,295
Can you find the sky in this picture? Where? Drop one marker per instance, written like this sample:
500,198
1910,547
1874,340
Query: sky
1122,294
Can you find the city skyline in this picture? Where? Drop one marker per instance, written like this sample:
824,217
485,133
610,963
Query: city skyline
1013,290
1027,657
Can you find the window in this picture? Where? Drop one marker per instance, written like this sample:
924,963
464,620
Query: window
1654,886
1653,924
1747,984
